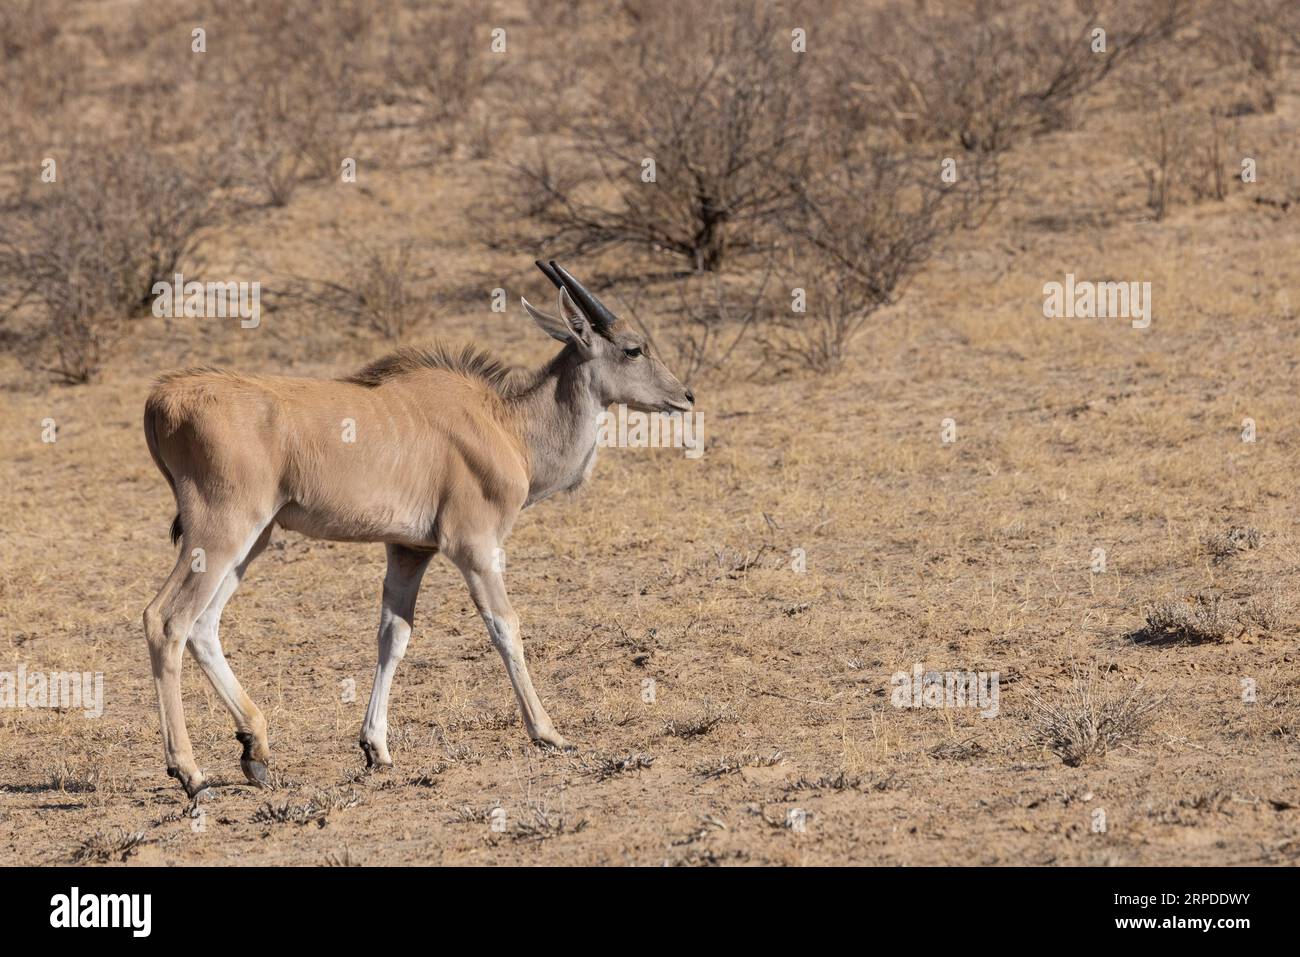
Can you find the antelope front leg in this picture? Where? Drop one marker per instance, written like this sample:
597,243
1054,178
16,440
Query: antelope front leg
401,586
488,589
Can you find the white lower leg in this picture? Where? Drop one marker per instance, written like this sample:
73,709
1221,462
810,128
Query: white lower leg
504,633
394,634
401,586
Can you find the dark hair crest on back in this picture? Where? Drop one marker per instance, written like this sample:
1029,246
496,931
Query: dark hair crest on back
470,361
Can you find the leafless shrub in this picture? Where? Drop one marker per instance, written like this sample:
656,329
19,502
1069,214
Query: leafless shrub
983,75
1256,33
468,814
429,777
42,62
542,825
717,318
297,115
1159,144
1087,720
718,312
957,750
382,288
610,767
1199,619
85,258
109,847
718,106
862,230
1208,174
74,779
840,781
735,763
695,725
314,810
1267,611
1237,538
1183,148
439,61
736,563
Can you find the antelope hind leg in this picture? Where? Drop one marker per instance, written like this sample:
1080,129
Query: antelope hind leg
401,586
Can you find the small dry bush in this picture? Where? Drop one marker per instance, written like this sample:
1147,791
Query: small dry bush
109,847
381,288
1201,619
1087,720
735,763
318,807
717,313
1255,36
440,61
698,723
74,779
84,257
984,75
861,231
1268,611
540,824
1237,538
42,66
1196,620
619,764
296,116
718,105
1186,149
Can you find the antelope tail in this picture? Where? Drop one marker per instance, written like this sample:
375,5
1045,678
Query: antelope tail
151,439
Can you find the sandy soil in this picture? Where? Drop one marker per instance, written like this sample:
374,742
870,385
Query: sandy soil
772,684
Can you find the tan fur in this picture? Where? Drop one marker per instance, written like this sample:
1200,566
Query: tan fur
426,451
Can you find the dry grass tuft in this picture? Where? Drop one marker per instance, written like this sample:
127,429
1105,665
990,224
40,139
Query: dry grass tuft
111,847
74,779
344,858
610,767
542,825
692,726
1086,721
1267,611
315,810
1238,538
735,763
841,781
1200,619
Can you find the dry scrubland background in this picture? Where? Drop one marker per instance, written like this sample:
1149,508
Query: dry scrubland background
818,170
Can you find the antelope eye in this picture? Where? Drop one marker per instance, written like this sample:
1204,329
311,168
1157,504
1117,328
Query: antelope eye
633,352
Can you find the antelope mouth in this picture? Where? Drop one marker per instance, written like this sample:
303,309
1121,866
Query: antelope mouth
676,407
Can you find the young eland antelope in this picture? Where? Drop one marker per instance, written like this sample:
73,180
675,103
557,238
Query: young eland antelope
424,451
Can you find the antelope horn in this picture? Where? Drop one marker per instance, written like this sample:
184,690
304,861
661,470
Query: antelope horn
601,318
550,273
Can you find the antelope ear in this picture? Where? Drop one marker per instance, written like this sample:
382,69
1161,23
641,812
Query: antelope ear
555,328
578,326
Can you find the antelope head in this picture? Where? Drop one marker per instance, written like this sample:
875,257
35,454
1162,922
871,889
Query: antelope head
620,363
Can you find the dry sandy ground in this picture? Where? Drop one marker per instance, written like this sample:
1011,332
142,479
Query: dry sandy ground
772,687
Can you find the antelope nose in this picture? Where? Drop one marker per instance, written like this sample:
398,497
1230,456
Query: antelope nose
690,396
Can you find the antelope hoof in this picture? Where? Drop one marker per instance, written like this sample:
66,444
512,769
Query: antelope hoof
255,771
554,740
196,790
374,759
254,768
